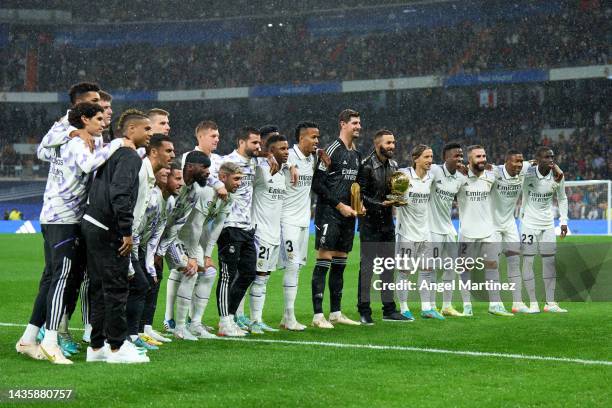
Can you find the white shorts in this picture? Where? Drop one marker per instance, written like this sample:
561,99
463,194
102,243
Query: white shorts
177,258
444,245
267,255
533,240
477,248
507,239
294,245
420,252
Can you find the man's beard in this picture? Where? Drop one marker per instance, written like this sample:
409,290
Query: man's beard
201,180
388,153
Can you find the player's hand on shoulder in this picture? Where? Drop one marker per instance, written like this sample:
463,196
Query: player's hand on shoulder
295,175
324,157
85,137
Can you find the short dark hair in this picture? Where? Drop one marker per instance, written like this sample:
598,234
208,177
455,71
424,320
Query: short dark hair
449,146
303,125
197,157
81,89
267,129
244,133
105,96
417,151
175,165
128,116
346,115
86,109
474,147
512,152
205,124
156,141
275,139
542,149
380,133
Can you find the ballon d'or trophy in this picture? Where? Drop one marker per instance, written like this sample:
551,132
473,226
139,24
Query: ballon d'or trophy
356,203
399,182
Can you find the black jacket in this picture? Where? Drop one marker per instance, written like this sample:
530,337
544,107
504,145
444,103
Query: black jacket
114,191
374,182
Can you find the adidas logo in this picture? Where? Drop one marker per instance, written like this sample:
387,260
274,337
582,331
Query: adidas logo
26,228
439,181
270,181
344,162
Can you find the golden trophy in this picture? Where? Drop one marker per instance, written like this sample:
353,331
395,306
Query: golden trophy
356,203
399,182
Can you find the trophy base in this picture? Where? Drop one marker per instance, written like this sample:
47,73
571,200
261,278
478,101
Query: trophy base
397,199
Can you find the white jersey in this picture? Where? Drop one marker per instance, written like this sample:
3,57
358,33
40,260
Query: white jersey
537,204
444,188
505,194
146,182
72,165
197,234
181,208
215,163
240,214
268,195
412,219
296,206
153,223
474,199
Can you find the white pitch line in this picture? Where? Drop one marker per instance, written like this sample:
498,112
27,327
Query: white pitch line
402,348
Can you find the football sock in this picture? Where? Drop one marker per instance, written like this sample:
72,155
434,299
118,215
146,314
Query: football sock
183,299
30,333
201,294
466,295
424,292
258,296
492,276
549,273
290,285
318,284
514,276
447,296
528,277
174,281
336,283
402,294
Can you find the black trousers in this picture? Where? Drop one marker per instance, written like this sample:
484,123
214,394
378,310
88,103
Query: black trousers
237,261
139,287
375,243
108,286
148,314
64,263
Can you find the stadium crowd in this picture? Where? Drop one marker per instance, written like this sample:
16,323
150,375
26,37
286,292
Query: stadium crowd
292,54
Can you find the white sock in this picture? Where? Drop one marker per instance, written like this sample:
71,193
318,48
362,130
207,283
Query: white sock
549,273
183,299
240,309
529,278
402,294
290,286
466,295
133,337
201,294
172,285
148,329
424,291
50,338
492,276
29,335
335,315
514,276
258,296
432,293
447,296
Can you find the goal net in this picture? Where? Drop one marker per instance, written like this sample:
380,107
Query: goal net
590,207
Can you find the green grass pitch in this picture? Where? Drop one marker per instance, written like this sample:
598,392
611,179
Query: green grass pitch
298,372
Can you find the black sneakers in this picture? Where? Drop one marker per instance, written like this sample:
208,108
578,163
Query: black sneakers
366,320
395,317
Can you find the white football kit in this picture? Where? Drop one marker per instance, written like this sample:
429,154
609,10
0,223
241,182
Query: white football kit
295,218
537,220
